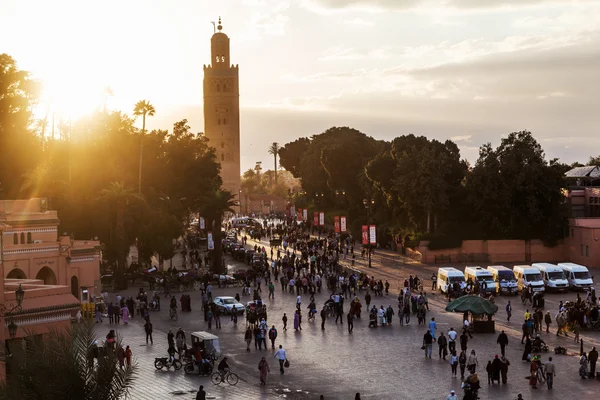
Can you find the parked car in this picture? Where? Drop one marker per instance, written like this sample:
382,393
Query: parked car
226,303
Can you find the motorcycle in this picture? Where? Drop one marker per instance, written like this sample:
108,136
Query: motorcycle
161,362
192,368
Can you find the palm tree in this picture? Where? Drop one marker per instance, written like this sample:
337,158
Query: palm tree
119,197
66,365
274,149
143,108
216,204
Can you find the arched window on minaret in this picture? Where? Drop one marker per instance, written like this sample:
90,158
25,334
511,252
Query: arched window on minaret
222,157
222,145
224,121
218,87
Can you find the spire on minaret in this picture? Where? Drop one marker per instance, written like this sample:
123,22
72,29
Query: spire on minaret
219,27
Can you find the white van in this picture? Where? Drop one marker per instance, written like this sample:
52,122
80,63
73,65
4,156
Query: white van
578,276
450,275
478,274
528,276
553,275
504,278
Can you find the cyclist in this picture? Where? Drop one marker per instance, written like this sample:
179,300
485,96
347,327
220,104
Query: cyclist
223,368
312,310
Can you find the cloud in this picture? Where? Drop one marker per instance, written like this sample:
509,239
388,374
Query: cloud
340,53
325,6
270,22
461,138
359,21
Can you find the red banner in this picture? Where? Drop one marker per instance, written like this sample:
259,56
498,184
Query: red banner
299,214
343,223
336,224
365,234
315,218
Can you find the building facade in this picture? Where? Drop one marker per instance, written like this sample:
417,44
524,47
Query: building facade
55,272
222,109
32,249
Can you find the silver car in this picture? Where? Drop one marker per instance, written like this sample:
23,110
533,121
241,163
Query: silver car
226,303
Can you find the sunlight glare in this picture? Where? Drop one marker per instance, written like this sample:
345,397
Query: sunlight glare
72,94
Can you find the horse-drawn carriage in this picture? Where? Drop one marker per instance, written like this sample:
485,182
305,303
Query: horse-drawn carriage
256,311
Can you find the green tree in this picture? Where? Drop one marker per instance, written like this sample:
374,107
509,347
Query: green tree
119,197
274,150
215,205
291,154
594,161
143,108
19,146
60,367
514,193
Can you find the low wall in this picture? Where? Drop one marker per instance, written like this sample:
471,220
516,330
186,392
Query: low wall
493,252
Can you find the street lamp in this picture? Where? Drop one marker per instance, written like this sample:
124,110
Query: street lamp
4,310
368,204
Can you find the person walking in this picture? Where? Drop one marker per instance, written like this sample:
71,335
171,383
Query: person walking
272,336
284,319
148,330
550,370
248,338
128,354
323,318
452,396
217,317
263,367
462,361
548,321
453,363
508,311
350,318
427,344
576,330
209,316
281,356
502,341
443,345
472,362
464,340
432,327
593,358
504,363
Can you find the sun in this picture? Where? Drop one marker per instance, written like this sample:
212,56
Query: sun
70,95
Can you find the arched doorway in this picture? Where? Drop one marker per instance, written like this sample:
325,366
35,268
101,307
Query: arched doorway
47,275
16,274
75,287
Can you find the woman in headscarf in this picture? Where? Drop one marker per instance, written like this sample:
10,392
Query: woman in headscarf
125,314
263,367
583,366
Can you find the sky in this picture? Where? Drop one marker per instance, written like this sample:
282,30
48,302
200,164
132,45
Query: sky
467,70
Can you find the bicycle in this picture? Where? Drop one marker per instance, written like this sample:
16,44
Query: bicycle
231,378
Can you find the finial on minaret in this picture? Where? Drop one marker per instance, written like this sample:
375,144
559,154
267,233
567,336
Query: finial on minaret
219,27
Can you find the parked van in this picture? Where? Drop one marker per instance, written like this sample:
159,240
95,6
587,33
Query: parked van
450,275
578,276
506,283
528,276
553,275
478,274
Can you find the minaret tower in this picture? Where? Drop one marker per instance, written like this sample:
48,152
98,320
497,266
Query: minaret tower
222,109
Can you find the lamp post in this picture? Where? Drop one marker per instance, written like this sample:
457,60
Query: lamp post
10,309
368,204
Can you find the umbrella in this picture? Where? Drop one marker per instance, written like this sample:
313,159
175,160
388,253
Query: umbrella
474,304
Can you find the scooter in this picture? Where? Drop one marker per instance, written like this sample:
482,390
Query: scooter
161,362
192,368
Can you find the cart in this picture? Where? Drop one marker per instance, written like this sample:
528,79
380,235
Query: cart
207,342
